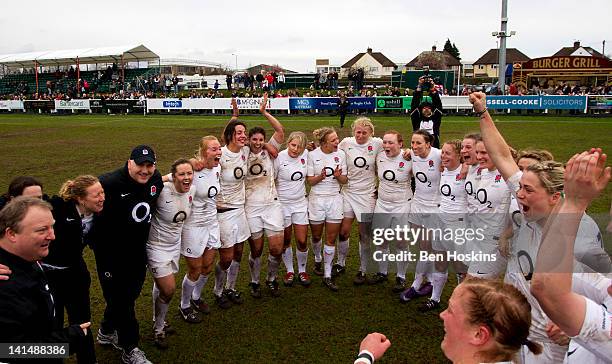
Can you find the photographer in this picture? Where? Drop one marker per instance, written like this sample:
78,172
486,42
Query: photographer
427,115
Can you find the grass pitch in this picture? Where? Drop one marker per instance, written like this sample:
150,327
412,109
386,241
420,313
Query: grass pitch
303,325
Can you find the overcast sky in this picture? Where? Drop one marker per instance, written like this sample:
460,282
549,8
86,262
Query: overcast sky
295,33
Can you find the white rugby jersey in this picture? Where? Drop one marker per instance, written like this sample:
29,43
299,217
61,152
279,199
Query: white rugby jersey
493,197
427,125
521,266
594,342
173,208
204,207
471,185
361,164
291,176
394,179
427,177
233,171
259,184
319,161
453,198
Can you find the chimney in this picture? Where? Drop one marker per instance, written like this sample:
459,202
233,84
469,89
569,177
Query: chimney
433,48
370,50
577,44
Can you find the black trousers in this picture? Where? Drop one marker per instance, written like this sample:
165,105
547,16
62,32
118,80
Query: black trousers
70,288
122,276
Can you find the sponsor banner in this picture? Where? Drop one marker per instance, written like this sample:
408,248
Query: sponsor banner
72,104
564,102
330,103
388,102
11,105
456,102
39,104
513,102
595,102
219,104
537,102
96,104
123,104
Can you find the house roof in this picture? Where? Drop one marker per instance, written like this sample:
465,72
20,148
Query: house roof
449,59
567,51
379,57
492,56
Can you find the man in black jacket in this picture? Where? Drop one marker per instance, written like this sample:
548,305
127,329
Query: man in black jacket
27,310
427,116
118,236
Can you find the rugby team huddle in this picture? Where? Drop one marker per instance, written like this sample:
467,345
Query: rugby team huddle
251,189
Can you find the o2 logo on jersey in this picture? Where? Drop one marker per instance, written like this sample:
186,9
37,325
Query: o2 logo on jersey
153,190
238,173
389,175
360,162
422,177
469,189
179,217
329,171
445,190
525,264
481,196
298,176
212,191
141,212
257,169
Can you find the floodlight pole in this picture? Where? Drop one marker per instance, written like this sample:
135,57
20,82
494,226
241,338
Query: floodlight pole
502,35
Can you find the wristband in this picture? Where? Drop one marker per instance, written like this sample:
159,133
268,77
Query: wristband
365,357
480,113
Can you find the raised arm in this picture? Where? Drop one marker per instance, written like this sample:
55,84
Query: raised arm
279,131
235,111
495,143
585,178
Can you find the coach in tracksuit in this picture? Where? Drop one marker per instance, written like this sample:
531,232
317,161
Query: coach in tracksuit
119,236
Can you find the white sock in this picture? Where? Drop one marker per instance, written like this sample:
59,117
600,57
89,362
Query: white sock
199,286
383,264
255,268
232,275
288,259
154,295
220,275
422,271
273,264
402,267
439,280
343,249
329,252
187,291
364,255
316,248
160,309
302,258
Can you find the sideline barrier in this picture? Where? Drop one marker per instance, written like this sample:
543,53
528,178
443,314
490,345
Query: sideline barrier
11,105
381,103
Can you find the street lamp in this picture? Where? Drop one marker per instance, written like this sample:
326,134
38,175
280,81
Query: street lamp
236,55
502,35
